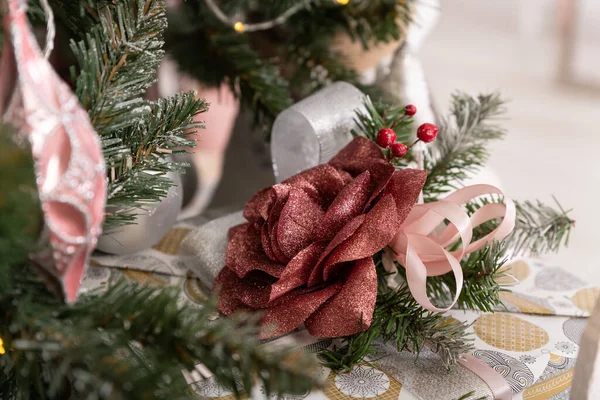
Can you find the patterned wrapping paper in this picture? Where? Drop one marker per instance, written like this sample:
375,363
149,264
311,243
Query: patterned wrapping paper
533,342
547,289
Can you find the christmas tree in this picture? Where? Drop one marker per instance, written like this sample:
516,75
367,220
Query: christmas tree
134,341
275,52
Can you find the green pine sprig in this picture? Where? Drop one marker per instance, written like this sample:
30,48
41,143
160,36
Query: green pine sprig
131,342
269,69
137,172
481,273
400,320
117,60
376,116
117,57
379,115
461,146
539,228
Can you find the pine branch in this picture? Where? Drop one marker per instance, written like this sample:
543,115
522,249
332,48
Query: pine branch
539,228
480,289
223,56
20,218
383,115
461,145
136,171
259,65
132,343
76,16
116,63
399,319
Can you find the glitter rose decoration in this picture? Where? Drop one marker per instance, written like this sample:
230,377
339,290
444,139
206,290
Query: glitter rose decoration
305,255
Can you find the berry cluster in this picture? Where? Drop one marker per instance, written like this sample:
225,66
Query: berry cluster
386,137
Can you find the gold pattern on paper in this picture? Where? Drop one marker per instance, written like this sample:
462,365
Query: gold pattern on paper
169,244
333,393
511,333
526,306
550,387
519,270
194,291
144,277
585,299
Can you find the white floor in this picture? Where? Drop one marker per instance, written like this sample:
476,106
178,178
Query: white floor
553,139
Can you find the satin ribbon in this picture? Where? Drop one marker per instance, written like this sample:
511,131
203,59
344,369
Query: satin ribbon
423,252
501,390
315,129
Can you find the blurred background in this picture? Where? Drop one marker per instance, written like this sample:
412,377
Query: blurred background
544,57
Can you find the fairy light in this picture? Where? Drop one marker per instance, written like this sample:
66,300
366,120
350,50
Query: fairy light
239,26
343,2
2,351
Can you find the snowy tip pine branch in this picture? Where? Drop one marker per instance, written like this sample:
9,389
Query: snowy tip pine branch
461,148
540,228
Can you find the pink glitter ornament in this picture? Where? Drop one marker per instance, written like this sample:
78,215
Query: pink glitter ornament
69,164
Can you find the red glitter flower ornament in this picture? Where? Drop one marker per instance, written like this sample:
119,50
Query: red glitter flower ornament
305,255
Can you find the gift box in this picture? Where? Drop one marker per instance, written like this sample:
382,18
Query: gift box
533,343
528,347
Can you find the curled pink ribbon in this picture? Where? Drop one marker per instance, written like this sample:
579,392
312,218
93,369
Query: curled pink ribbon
423,252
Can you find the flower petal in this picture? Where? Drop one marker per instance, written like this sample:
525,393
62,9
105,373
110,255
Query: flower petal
347,205
287,316
357,155
351,310
298,270
364,155
259,204
405,187
377,230
382,172
348,230
245,254
226,284
322,183
235,229
265,239
297,223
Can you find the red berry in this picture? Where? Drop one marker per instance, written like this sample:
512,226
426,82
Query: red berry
399,150
410,110
386,137
427,132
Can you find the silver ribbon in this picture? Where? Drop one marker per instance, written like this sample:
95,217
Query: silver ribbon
315,129
204,248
